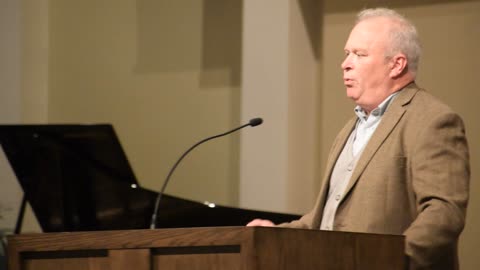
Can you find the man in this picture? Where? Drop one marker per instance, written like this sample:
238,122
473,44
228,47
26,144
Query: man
401,165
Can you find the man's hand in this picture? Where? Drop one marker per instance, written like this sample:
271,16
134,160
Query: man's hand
261,222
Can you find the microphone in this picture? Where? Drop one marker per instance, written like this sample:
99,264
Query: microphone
253,123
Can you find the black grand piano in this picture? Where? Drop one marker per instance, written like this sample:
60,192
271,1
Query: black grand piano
78,178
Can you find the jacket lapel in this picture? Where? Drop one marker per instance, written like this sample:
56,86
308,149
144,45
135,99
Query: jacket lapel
339,145
390,119
337,148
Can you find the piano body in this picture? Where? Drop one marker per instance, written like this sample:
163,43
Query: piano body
78,178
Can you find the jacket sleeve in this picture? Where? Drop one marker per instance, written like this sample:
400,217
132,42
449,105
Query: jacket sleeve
440,176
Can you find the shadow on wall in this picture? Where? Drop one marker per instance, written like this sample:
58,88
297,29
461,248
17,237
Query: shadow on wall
312,17
189,36
334,6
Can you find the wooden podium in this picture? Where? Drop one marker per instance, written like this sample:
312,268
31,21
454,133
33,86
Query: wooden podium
216,248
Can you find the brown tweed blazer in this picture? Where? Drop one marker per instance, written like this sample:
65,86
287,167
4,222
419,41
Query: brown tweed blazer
412,179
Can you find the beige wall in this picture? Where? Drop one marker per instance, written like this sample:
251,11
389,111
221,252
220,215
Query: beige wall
279,83
34,61
165,74
264,153
10,66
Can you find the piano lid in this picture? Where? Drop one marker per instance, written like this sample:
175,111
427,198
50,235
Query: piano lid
78,178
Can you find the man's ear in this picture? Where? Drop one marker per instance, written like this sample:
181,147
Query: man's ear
398,65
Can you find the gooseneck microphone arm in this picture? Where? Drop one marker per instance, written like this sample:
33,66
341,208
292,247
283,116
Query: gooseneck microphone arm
253,122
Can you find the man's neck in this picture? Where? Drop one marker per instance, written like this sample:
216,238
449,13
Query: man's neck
394,89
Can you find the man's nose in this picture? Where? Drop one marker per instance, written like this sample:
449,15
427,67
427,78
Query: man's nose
347,63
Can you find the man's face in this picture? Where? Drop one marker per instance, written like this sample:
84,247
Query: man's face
365,68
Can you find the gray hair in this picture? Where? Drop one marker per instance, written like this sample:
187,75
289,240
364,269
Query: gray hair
403,35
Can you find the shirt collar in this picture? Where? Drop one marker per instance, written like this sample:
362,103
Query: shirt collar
377,112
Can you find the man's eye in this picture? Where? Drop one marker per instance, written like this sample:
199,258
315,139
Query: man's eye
359,54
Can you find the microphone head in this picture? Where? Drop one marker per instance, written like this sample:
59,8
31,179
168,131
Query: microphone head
255,122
